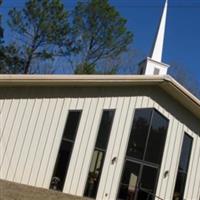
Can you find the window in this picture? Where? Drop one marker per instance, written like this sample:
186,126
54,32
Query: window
98,156
156,140
64,154
144,155
183,168
139,133
149,128
156,71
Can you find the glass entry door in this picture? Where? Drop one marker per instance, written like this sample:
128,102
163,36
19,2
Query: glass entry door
143,156
138,181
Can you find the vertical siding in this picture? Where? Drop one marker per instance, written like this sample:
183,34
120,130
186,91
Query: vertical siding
122,150
53,143
6,133
15,160
31,132
5,109
79,136
10,148
89,148
114,146
196,188
168,151
194,169
41,139
31,141
174,161
81,152
115,127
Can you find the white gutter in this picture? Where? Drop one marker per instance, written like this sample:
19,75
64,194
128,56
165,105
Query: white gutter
166,82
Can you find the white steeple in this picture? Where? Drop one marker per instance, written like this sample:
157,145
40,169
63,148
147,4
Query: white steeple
153,65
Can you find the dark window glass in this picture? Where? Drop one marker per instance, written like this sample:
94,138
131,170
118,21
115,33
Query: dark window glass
129,181
94,173
71,125
157,137
96,164
64,154
147,183
139,133
145,150
183,168
148,178
180,186
185,153
135,186
104,129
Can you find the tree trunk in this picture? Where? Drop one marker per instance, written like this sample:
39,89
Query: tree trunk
27,64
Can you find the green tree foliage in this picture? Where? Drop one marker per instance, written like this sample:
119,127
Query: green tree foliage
97,32
1,29
11,60
40,27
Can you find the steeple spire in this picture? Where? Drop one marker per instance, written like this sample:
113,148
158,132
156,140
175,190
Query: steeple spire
157,49
153,65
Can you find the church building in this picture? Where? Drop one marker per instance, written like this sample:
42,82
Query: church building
106,137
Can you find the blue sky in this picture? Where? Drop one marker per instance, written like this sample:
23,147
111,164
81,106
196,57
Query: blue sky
182,41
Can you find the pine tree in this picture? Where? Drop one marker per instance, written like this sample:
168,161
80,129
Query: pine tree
41,28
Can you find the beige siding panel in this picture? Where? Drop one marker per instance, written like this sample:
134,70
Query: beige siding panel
191,164
48,134
2,101
1,128
113,103
116,147
73,104
80,104
114,130
192,169
53,143
27,141
196,176
20,141
145,102
82,148
1,104
46,125
81,128
90,148
6,133
13,139
197,185
107,103
168,154
139,102
36,133
150,103
122,150
165,165
4,114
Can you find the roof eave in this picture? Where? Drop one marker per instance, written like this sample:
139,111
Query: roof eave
167,83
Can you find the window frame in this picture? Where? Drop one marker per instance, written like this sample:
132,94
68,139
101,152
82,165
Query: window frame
95,148
185,173
142,162
67,140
